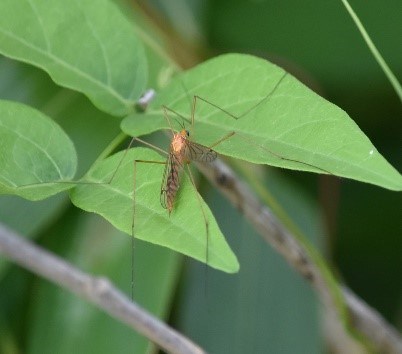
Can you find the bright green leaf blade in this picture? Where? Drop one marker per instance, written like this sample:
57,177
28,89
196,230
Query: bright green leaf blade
35,153
85,45
292,127
183,231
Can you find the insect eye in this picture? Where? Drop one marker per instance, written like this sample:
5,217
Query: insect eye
188,133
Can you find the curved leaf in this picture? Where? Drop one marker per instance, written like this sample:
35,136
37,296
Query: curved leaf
85,45
282,122
183,231
35,153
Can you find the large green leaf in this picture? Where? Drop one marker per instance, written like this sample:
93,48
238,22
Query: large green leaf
85,45
35,154
283,123
185,230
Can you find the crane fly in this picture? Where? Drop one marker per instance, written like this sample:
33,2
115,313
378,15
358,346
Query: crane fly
182,151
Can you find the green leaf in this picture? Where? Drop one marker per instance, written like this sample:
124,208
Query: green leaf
282,122
184,230
35,153
85,45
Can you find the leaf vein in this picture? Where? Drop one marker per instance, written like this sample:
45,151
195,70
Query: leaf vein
75,70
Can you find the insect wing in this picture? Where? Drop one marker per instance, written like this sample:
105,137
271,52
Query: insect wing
200,153
170,181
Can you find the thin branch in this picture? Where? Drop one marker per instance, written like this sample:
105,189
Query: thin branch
362,318
97,290
370,322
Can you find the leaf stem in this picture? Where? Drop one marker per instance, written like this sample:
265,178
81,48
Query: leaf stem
108,150
377,56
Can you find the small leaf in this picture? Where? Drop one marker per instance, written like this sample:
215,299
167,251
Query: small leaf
282,122
35,153
184,230
85,45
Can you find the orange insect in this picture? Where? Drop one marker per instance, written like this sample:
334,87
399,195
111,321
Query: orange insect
182,151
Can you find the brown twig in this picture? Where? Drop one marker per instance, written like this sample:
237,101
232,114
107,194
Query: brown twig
97,290
381,336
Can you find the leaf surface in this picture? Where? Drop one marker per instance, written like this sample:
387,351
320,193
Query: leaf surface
280,121
183,231
85,45
35,153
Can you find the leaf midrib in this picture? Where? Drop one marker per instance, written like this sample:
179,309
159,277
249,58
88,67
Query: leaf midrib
50,158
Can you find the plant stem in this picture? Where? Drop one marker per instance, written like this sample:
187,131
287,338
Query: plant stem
373,49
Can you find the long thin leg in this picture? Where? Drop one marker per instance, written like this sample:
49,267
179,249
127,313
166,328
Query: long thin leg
126,151
196,97
114,172
194,107
206,223
133,216
202,209
166,115
167,109
134,196
227,136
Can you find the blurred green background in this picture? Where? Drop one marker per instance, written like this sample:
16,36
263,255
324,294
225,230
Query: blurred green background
266,307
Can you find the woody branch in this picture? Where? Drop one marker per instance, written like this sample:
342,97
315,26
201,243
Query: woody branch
363,318
97,290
